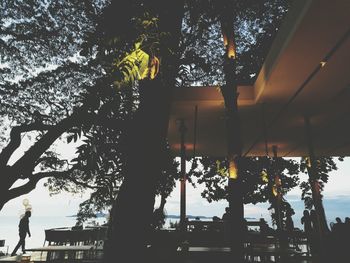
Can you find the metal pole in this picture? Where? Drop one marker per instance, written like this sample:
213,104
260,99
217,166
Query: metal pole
265,130
182,131
278,189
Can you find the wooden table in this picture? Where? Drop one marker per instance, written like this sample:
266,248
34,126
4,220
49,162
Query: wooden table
71,236
204,254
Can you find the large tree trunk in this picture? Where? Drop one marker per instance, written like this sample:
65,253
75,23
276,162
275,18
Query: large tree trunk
145,143
235,194
230,95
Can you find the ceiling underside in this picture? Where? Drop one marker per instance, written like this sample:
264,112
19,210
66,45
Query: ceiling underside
291,84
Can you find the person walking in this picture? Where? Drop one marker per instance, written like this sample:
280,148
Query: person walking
23,229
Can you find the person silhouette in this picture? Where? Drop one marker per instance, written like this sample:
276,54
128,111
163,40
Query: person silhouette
306,221
23,229
315,240
264,227
226,215
290,230
339,227
289,223
314,222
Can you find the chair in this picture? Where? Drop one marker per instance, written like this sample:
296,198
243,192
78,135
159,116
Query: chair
2,244
57,237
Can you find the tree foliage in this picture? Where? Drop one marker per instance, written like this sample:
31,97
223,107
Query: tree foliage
52,87
256,24
257,175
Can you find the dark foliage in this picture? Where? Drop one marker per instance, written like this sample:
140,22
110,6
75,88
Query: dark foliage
257,180
256,24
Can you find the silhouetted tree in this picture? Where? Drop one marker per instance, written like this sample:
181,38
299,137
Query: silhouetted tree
44,86
315,186
50,87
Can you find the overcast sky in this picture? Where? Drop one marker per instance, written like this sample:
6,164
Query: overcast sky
336,195
338,188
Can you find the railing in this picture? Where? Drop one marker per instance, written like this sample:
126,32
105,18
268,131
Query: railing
67,236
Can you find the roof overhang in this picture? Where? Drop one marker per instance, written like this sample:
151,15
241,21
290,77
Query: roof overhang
292,82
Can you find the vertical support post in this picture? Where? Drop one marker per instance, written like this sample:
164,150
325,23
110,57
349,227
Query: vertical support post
277,191
322,227
182,131
265,130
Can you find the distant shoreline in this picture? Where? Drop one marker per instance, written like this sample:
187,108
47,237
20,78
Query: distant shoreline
99,215
167,216
188,216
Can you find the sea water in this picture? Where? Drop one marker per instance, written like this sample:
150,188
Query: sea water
37,226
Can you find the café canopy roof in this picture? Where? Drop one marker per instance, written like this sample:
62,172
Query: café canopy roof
307,71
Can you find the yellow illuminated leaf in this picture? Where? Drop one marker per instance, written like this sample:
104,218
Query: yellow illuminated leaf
274,190
264,176
137,65
220,170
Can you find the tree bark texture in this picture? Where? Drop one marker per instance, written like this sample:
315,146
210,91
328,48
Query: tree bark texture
235,195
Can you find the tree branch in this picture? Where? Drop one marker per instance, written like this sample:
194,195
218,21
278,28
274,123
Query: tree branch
15,139
83,184
90,10
38,35
27,162
31,184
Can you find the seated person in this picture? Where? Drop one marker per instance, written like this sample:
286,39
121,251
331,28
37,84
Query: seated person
216,218
197,227
226,215
264,227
